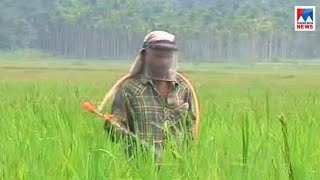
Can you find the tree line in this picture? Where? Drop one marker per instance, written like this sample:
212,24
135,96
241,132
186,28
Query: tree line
207,30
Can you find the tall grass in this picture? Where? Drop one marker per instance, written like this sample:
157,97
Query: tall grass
286,150
46,135
245,142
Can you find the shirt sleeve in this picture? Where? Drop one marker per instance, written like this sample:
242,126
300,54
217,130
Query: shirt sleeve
122,115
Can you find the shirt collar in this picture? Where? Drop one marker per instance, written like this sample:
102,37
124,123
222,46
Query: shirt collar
144,80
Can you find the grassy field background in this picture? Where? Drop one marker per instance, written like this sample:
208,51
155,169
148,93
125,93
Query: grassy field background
46,135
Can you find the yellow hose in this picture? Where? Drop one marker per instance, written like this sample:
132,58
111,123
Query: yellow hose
109,95
196,104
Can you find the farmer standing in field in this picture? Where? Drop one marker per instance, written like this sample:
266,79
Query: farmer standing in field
154,101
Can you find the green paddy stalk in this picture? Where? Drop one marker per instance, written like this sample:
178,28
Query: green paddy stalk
245,142
286,146
267,107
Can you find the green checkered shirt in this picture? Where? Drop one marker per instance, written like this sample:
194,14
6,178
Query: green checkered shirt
140,108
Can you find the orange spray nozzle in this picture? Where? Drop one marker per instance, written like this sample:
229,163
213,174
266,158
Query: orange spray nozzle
88,106
92,108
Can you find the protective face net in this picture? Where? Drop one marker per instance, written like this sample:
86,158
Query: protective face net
161,64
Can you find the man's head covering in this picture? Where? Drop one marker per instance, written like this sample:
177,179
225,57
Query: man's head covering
154,40
161,40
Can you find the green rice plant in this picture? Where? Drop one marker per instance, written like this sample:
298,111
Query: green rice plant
286,150
45,134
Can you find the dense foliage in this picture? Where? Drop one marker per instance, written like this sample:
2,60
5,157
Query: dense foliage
208,30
